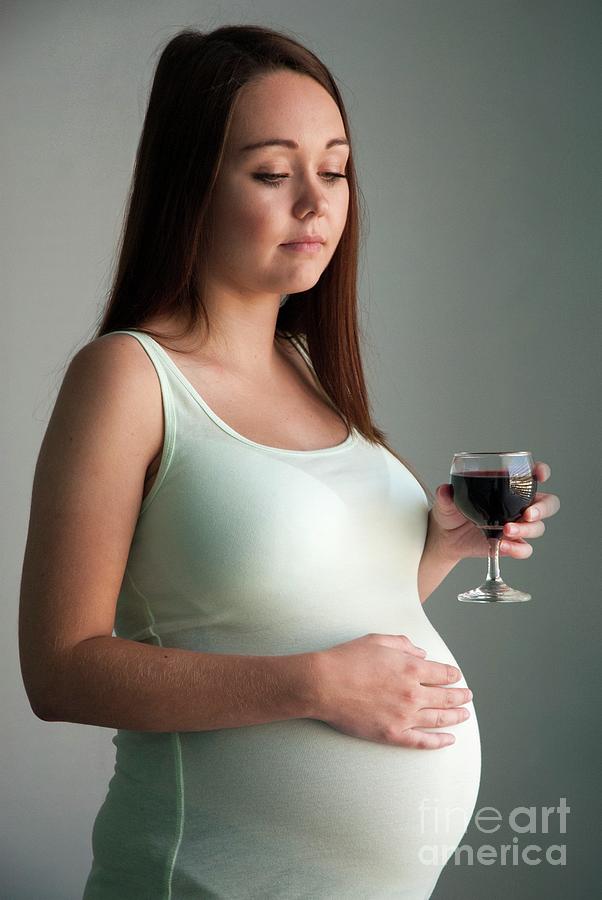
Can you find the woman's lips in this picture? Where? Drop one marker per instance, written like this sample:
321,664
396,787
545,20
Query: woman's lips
304,247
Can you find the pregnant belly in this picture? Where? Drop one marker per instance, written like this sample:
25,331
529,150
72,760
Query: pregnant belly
375,813
372,807
295,803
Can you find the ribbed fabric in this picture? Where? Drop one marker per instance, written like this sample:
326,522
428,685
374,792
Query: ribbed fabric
244,548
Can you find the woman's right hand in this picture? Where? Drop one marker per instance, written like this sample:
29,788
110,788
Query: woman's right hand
381,688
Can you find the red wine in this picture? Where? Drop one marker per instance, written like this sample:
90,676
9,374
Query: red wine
490,499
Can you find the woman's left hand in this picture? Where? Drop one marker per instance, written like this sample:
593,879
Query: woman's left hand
458,538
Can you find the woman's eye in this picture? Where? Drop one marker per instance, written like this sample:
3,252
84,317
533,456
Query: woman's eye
275,180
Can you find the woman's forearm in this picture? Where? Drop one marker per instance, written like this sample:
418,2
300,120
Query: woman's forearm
118,683
434,566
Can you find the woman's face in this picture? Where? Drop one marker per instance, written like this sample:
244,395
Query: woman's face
253,215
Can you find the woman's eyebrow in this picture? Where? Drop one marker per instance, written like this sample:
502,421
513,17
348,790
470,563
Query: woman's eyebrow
283,142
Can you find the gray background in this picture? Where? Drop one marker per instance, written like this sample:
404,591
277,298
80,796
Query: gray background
477,140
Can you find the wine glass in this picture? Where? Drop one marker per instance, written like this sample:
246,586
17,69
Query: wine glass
491,488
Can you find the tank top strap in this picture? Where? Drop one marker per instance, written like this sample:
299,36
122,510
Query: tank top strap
155,356
300,343
168,402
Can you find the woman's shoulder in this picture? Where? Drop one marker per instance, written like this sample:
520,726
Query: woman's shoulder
111,390
113,358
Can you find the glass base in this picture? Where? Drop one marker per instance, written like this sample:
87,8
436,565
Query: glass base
494,591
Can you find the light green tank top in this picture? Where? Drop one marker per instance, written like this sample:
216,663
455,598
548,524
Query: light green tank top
249,549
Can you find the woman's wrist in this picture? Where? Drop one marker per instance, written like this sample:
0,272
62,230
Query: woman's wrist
437,561
441,542
301,680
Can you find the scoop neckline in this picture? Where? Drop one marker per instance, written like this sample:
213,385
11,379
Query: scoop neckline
349,441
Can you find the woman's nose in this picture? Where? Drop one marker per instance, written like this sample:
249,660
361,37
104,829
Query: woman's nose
311,197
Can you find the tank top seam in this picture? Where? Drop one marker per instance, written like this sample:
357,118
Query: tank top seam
167,628
177,755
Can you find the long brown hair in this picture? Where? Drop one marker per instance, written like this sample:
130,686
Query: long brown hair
166,236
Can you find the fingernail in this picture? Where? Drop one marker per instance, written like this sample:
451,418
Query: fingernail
533,513
512,529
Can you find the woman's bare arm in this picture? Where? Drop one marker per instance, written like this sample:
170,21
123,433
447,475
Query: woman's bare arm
117,683
106,427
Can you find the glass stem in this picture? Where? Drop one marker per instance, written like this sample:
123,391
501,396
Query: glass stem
493,559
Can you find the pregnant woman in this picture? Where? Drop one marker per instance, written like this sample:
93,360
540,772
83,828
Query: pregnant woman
212,487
